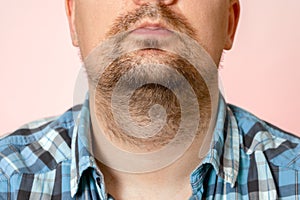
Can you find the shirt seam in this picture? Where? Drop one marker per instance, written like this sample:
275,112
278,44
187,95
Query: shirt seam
31,138
8,177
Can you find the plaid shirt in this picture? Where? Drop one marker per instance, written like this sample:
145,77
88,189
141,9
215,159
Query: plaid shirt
248,159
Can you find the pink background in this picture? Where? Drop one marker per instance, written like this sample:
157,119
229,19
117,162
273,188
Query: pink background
39,65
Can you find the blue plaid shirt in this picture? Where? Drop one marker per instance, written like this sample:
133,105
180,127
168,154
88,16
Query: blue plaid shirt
248,159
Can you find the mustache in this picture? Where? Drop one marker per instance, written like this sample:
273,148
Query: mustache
161,12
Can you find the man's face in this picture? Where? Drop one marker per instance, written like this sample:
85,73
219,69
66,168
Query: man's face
213,22
150,76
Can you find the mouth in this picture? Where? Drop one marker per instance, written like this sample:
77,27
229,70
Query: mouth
149,29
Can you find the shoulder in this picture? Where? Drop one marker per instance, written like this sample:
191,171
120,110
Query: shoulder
280,148
39,146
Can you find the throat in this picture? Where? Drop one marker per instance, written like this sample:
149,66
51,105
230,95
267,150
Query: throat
171,182
159,185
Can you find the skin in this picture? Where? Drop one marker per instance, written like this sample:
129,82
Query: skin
214,23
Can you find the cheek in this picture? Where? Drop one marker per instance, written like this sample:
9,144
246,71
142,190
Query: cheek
93,18
209,19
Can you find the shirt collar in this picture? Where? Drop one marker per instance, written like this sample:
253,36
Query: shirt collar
224,152
225,144
81,147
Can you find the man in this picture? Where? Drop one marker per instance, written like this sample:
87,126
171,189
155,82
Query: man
153,125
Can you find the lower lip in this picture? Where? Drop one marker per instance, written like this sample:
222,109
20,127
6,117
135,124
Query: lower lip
152,32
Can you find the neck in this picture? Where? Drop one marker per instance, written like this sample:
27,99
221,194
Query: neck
172,181
143,172
135,176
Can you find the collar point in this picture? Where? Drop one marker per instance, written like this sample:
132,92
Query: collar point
231,179
74,187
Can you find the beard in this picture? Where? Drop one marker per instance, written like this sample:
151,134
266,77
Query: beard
143,94
152,78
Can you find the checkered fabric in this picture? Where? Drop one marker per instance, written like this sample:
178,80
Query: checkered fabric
248,159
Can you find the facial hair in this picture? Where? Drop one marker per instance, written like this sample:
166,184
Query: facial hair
176,21
148,65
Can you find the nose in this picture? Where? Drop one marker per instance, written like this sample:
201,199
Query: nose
164,2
